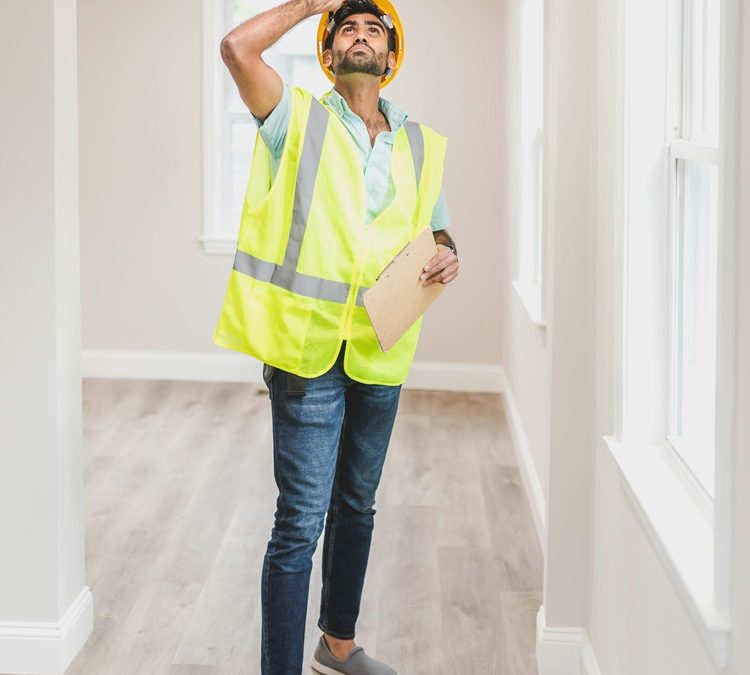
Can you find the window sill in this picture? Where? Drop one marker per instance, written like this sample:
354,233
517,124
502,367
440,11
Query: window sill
531,298
218,245
678,521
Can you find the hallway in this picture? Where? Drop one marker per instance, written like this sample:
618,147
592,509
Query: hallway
568,487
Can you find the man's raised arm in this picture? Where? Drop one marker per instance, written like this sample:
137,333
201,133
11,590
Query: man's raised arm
259,85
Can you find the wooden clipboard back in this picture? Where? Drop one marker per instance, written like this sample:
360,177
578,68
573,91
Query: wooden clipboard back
397,298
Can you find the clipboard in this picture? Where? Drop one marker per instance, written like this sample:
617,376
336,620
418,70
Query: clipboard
397,298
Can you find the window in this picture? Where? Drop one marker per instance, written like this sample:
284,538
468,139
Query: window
528,285
229,130
694,168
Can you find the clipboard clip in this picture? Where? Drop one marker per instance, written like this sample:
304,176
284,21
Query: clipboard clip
382,272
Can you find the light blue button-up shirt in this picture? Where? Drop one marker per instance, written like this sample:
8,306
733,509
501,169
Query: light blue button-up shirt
376,159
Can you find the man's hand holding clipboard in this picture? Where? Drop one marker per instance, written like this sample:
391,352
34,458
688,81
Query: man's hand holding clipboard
400,295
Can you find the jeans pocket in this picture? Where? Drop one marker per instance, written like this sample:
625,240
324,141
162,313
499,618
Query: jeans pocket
295,385
268,373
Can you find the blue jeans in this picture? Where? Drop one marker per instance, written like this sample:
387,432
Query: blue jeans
330,438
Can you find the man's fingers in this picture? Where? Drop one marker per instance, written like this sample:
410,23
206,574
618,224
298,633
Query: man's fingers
439,263
444,274
443,267
444,253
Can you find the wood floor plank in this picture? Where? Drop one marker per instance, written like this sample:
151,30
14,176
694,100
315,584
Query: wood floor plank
404,560
180,497
471,611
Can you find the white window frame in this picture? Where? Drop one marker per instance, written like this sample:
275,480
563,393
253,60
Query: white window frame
690,532
213,238
529,284
685,146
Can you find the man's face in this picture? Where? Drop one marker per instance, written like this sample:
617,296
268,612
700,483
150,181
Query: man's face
360,45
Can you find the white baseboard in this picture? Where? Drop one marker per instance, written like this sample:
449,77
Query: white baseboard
529,475
163,365
46,648
455,376
235,367
590,665
562,650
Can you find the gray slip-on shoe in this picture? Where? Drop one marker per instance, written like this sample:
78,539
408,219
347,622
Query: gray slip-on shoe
356,662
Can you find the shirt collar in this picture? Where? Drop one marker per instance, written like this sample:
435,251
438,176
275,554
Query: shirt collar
396,116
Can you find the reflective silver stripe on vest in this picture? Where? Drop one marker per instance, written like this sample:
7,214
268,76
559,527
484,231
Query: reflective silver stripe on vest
302,284
286,275
416,141
307,172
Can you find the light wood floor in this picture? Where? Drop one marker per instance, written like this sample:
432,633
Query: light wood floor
179,505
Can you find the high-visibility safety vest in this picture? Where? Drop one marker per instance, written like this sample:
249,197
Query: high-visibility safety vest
305,254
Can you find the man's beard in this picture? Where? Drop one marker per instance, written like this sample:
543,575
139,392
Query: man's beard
354,63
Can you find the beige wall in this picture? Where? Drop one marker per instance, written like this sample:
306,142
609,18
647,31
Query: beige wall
146,282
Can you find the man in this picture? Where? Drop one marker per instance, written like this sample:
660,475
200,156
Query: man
336,188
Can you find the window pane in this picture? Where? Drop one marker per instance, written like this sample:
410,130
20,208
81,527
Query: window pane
703,71
244,9
694,318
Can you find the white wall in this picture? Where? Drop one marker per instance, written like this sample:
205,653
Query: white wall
524,353
608,598
146,282
638,621
45,606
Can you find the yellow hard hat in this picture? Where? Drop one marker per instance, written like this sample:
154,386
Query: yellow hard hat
388,16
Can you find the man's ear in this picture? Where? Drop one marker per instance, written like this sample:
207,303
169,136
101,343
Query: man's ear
327,57
391,60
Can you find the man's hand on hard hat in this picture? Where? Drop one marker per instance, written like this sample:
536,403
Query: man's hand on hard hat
443,267
320,6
